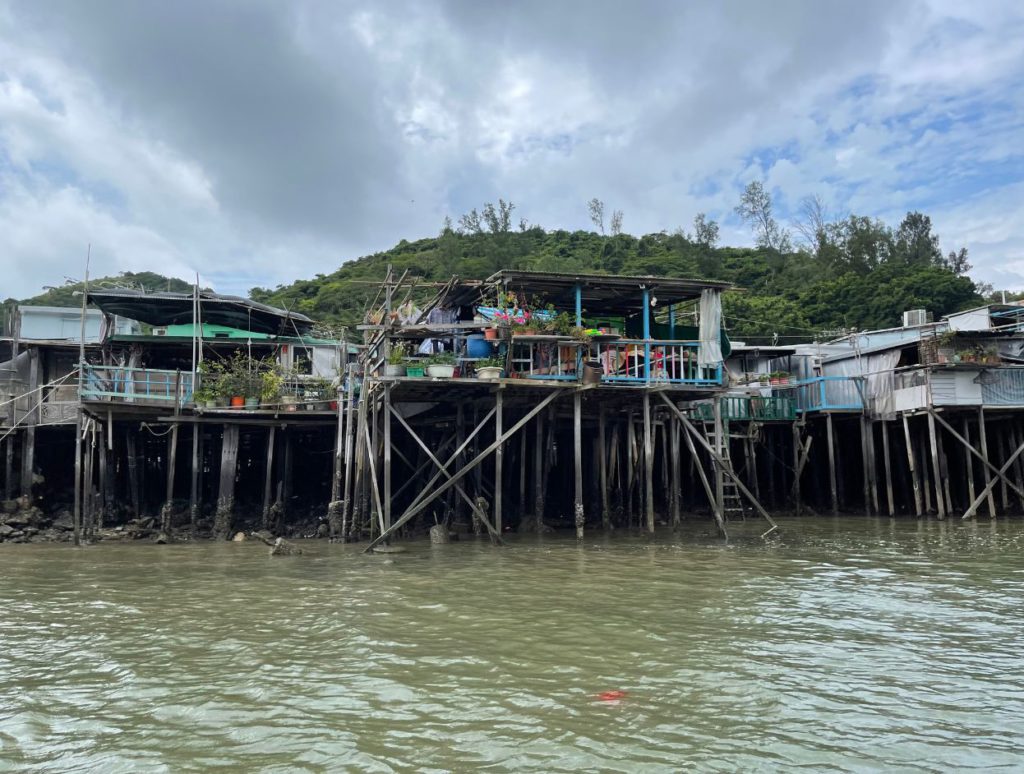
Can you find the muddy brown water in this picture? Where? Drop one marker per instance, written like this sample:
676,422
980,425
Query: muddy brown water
847,645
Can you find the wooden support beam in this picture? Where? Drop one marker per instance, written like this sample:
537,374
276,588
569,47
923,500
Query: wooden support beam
864,429
648,464
708,489
577,457
499,461
386,419
973,509
915,479
968,462
887,460
443,469
193,496
172,458
983,443
134,486
226,490
832,464
967,444
675,494
268,479
423,502
797,469
719,462
727,469
538,473
602,464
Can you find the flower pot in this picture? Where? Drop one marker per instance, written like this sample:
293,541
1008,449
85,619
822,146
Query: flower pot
333,405
394,370
289,402
489,373
251,403
491,334
414,371
221,402
237,401
211,403
441,371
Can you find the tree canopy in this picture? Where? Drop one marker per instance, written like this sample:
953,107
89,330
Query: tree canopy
854,273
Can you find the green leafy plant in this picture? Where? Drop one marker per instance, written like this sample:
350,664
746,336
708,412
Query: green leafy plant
398,353
490,362
441,358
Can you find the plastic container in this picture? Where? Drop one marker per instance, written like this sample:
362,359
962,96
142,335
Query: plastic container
416,371
591,373
477,346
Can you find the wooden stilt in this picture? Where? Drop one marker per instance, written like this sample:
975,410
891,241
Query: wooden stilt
918,508
521,502
577,446
172,458
386,419
648,464
797,468
226,491
1017,471
499,461
350,424
887,459
538,473
602,462
674,489
424,501
943,469
1003,447
968,462
988,487
631,461
983,444
268,479
193,497
832,465
872,465
134,486
865,475
104,484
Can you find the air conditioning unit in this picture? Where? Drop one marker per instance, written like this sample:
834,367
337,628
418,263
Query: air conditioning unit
915,317
161,331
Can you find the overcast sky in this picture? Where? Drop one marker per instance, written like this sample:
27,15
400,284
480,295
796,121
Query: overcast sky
260,142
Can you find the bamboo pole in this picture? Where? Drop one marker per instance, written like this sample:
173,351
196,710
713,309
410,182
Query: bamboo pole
268,479
887,459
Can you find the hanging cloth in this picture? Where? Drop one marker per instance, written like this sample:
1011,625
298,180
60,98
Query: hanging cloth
709,353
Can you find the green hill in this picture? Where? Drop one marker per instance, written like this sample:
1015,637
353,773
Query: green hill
863,275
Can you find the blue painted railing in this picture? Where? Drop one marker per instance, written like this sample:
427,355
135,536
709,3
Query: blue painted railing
630,362
826,393
136,385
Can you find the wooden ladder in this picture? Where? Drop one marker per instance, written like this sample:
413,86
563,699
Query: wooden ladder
733,503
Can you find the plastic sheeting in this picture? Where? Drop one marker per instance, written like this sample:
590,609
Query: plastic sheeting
877,370
709,352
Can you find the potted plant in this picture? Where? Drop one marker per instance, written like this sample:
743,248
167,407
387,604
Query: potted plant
270,388
490,368
395,365
779,377
206,395
317,394
441,365
413,368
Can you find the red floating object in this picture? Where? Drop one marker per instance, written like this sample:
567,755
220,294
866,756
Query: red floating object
612,695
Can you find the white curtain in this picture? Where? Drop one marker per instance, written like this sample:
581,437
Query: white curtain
709,353
877,370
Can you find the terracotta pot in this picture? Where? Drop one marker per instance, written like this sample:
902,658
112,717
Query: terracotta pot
237,401
491,334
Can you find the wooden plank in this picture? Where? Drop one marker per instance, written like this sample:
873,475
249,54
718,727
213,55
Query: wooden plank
973,509
602,463
268,478
226,489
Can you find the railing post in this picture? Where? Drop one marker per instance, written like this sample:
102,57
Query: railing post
821,392
647,335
